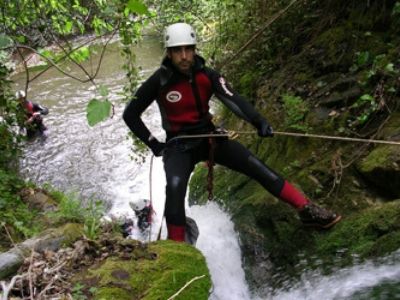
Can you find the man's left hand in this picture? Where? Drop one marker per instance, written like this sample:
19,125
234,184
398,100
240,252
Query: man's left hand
264,129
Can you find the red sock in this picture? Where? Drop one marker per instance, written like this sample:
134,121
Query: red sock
176,233
293,196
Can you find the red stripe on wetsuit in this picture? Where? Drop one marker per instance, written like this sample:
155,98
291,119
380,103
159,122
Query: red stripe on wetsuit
29,108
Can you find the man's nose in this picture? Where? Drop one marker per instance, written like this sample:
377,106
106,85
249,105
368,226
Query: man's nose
183,53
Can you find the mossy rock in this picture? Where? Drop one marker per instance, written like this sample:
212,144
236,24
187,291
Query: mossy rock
381,167
373,232
157,276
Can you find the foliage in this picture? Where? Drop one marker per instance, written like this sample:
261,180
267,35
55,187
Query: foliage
71,209
378,75
29,27
368,104
16,217
296,110
92,224
206,16
34,25
98,111
9,140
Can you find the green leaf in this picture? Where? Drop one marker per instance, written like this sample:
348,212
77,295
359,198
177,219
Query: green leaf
46,53
389,67
367,97
68,27
5,41
81,54
362,58
97,111
396,8
136,6
21,39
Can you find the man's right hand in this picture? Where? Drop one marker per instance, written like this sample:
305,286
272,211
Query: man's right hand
156,147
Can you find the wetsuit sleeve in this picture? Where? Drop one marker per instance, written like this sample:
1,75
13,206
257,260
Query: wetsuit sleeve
38,108
142,99
239,105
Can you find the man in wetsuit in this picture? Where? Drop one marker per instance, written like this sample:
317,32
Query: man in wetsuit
182,87
32,115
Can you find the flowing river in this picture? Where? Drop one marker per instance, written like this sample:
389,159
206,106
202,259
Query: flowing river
95,163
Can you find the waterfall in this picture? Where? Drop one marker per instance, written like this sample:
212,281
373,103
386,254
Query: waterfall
217,240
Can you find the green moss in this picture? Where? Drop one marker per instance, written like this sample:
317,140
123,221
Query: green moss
385,244
114,293
334,41
380,157
364,233
71,232
174,265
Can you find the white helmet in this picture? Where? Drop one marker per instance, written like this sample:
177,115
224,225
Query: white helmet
179,34
139,204
20,94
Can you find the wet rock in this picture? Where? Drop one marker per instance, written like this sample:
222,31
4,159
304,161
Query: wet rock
38,199
10,262
341,99
341,92
381,168
50,240
120,274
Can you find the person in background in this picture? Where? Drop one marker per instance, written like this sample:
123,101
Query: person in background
143,211
182,88
32,115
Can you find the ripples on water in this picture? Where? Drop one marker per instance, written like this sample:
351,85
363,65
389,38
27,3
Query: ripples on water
366,281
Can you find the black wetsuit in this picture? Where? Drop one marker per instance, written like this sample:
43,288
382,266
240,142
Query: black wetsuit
184,105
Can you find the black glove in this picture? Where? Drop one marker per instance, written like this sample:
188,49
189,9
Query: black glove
156,147
264,129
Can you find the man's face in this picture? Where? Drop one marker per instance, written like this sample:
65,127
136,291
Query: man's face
21,100
182,57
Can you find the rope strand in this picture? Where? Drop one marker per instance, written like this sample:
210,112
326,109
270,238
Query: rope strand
329,137
151,193
232,133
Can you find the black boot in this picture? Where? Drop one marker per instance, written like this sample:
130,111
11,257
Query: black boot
314,215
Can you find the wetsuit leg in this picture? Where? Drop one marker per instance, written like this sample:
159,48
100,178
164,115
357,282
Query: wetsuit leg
178,166
235,156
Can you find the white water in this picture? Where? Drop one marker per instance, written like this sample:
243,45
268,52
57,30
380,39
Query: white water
349,283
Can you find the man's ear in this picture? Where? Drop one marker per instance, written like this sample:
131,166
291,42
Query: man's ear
168,53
